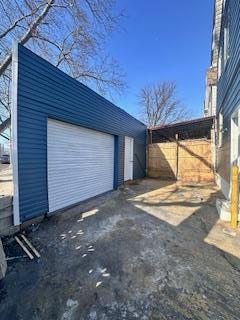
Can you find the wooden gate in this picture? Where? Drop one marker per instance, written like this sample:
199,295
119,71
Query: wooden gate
186,160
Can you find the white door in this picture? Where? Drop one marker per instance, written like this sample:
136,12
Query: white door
128,159
80,164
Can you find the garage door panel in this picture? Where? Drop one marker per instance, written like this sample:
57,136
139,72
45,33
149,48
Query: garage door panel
80,164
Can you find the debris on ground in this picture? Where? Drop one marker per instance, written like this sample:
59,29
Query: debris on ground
34,250
24,247
71,306
98,284
33,227
27,246
230,232
16,257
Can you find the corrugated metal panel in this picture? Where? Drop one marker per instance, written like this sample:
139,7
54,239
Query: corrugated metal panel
193,129
80,164
46,92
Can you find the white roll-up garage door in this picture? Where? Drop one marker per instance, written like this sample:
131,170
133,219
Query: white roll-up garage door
80,164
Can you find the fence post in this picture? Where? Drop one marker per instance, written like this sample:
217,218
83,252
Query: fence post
234,198
177,156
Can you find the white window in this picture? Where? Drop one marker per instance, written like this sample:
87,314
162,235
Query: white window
226,41
225,49
220,63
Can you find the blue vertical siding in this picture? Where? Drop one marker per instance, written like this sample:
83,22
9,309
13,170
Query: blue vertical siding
228,98
228,89
46,92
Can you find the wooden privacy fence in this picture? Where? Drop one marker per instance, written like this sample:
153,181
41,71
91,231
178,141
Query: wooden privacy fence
187,160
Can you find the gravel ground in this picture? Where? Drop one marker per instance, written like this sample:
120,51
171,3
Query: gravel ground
155,250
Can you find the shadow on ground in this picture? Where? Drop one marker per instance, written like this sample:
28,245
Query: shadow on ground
149,252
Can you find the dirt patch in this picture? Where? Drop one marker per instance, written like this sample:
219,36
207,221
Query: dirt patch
140,255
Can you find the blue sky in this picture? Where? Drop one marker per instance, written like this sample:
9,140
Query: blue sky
164,40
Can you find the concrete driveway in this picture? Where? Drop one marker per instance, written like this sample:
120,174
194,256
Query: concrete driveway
154,250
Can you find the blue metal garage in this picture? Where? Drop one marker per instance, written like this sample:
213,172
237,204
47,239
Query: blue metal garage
69,143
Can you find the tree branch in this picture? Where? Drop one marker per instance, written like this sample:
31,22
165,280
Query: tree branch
5,137
5,124
33,26
15,23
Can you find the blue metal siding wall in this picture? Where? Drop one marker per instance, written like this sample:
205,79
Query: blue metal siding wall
228,94
229,83
46,92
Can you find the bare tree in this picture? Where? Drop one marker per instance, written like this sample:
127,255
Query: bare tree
70,34
160,105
